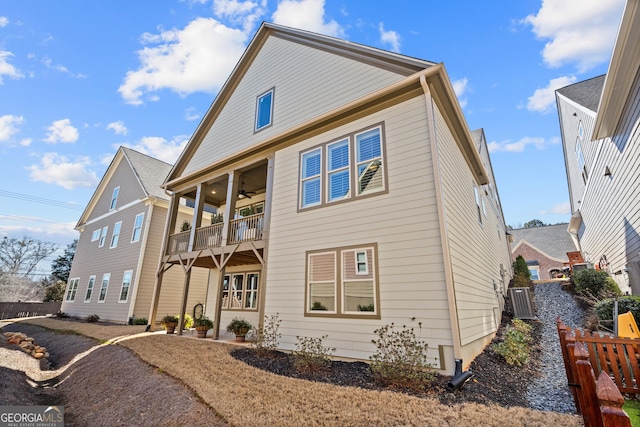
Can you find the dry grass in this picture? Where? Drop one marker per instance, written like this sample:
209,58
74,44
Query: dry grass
246,396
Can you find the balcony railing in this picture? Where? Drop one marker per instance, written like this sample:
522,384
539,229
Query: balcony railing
240,230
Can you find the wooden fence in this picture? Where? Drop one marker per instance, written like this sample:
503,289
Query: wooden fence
600,402
10,310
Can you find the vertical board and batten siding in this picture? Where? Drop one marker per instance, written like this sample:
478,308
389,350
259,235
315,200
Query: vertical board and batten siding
403,223
308,82
476,249
172,279
90,259
130,190
611,206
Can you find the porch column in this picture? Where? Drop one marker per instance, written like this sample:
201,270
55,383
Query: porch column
197,216
170,225
185,294
218,310
230,207
262,286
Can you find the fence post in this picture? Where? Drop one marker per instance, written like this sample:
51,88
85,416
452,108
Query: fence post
587,386
611,402
565,341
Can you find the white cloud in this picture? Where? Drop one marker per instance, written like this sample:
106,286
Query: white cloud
62,131
580,31
245,13
191,114
59,170
118,127
389,37
4,21
197,58
7,69
160,148
544,98
25,142
49,64
563,208
306,15
520,145
9,126
460,87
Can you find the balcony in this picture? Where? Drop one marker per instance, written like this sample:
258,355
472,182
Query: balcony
241,230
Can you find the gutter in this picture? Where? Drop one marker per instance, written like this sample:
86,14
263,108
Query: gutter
444,233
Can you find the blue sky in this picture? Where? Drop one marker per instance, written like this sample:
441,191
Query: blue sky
80,78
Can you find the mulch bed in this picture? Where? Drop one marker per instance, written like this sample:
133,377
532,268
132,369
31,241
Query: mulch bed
494,381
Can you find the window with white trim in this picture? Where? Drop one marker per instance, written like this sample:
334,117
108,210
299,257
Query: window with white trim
264,110
95,235
126,285
72,289
116,234
137,228
114,198
342,283
353,168
478,202
103,236
87,296
580,160
240,291
103,287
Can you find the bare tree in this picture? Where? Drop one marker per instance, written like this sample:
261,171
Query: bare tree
19,259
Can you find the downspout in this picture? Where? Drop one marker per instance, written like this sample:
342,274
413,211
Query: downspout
444,234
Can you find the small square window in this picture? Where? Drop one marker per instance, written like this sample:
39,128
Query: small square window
264,110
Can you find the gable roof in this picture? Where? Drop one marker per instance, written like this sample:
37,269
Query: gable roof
149,171
586,93
419,75
553,240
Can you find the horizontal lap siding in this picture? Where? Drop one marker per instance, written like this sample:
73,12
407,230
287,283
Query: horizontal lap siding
476,250
403,223
307,81
611,206
130,190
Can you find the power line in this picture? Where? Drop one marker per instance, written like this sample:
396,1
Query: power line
40,200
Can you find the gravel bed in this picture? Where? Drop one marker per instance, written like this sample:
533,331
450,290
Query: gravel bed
550,392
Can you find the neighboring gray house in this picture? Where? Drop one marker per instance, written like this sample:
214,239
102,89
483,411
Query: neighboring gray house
353,195
121,229
544,248
599,120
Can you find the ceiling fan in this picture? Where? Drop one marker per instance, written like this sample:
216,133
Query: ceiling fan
242,193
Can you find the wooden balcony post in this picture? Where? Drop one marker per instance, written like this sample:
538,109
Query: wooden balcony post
197,216
230,207
611,402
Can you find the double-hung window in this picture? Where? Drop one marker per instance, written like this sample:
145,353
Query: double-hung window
95,235
353,168
87,296
103,236
264,110
72,289
126,285
103,287
116,234
342,283
240,291
137,228
114,198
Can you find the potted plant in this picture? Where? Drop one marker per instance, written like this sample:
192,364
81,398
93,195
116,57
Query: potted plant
169,323
239,327
202,325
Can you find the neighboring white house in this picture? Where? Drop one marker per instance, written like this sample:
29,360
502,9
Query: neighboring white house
353,196
599,120
114,268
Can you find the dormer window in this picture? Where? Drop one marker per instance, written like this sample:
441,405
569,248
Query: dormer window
114,198
264,110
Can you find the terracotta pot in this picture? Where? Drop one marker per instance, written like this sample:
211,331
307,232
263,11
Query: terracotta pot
202,331
170,327
239,338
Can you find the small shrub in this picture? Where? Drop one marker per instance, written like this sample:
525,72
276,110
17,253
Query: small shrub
604,308
62,315
595,284
401,359
267,336
93,318
140,321
169,319
515,348
188,321
239,326
311,355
